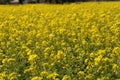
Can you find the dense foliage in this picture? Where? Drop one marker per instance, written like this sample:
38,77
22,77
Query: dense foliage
49,1
60,42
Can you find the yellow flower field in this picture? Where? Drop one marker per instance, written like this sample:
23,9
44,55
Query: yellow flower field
78,41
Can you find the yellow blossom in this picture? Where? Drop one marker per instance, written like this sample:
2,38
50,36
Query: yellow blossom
32,57
115,67
36,78
81,73
66,77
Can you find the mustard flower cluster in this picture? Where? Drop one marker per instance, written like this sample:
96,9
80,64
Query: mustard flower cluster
60,42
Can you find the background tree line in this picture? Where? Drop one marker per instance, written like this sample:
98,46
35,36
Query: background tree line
49,1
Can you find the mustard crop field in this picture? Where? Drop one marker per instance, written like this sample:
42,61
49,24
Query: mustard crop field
78,41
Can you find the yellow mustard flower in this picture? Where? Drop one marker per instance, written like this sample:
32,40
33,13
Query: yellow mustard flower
33,57
66,77
36,78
